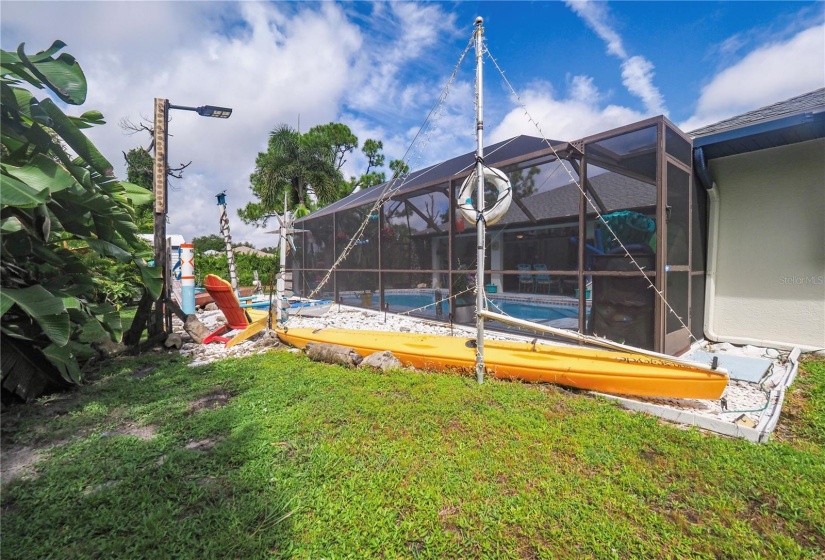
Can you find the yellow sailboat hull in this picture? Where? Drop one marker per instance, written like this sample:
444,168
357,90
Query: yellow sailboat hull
583,368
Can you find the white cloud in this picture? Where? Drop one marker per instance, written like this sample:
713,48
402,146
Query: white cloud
402,39
771,73
583,89
269,62
567,118
637,71
596,16
637,76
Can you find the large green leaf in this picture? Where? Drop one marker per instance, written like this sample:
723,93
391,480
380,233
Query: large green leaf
11,224
93,117
25,370
63,74
70,302
5,304
19,70
137,194
151,276
44,55
64,360
27,106
35,300
8,58
88,119
109,318
105,229
46,308
76,140
40,140
108,249
57,327
42,174
83,176
19,193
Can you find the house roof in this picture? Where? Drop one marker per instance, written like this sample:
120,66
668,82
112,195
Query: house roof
243,249
497,154
616,191
798,119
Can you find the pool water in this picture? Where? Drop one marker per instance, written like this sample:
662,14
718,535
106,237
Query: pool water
533,311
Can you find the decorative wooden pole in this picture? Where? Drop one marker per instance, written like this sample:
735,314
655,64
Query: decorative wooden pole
157,324
227,237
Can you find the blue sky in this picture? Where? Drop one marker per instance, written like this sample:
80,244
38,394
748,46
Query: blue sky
580,68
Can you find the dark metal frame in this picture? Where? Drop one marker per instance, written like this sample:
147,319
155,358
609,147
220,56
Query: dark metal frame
576,153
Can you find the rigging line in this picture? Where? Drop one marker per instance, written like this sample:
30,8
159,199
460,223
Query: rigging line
442,300
561,163
588,199
486,155
388,190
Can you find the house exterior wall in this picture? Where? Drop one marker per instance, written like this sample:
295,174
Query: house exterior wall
769,282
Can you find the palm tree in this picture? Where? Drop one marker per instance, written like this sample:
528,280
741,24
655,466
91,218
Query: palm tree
295,164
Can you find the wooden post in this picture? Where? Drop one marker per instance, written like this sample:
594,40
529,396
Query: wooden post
157,322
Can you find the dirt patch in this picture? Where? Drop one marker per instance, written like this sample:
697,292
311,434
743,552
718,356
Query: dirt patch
526,548
215,399
143,433
207,481
19,462
202,445
142,372
447,517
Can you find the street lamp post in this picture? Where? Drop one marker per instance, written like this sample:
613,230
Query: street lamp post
163,321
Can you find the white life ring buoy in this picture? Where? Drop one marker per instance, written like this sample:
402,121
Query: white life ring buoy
496,210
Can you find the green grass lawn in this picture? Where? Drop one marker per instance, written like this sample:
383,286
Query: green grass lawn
275,456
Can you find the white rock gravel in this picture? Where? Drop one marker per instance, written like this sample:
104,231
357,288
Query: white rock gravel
739,397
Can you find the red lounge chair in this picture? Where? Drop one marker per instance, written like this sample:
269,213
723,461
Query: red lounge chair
237,318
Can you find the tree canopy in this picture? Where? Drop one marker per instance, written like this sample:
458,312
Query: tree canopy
292,164
307,169
139,171
211,242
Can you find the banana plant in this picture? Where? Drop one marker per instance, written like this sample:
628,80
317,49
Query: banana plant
59,199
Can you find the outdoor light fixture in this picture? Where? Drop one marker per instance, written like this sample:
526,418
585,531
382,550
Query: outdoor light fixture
161,136
206,110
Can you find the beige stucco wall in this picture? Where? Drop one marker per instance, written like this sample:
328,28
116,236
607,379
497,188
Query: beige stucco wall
770,265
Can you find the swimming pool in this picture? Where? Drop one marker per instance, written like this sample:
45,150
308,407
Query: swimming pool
424,305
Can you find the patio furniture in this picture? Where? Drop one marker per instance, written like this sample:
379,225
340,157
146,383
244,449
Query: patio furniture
543,279
526,279
237,318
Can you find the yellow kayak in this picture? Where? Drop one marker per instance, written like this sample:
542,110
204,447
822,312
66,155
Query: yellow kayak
583,368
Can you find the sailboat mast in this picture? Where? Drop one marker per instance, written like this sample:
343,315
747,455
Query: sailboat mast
280,283
480,225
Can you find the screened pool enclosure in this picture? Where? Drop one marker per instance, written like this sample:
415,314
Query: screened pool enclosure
550,259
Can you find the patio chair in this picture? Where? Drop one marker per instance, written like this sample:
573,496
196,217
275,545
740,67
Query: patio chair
526,279
237,317
542,279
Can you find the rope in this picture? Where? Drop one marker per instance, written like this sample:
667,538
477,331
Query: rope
587,198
